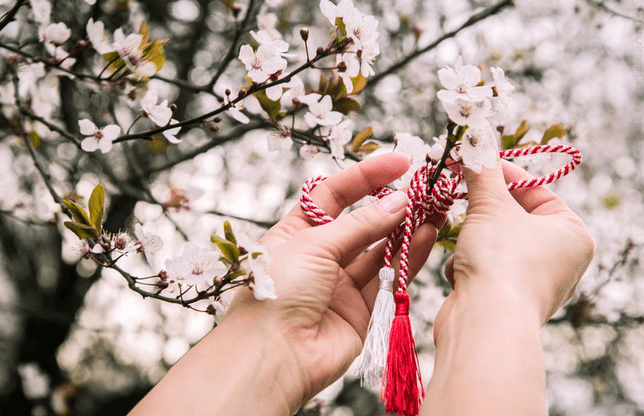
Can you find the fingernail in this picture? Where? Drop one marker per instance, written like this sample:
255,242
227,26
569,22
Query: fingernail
393,202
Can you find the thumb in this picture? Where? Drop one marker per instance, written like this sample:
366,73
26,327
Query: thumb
365,225
485,184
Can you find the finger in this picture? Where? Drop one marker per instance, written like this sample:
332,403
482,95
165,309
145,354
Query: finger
340,191
421,245
538,200
449,270
487,186
361,227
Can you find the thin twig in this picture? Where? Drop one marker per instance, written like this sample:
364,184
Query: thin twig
8,17
231,51
475,18
601,5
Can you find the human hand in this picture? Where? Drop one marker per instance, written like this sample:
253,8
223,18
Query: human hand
525,246
325,283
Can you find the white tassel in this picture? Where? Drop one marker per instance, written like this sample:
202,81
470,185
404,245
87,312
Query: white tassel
374,355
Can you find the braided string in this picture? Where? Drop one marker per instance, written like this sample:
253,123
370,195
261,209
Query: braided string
423,204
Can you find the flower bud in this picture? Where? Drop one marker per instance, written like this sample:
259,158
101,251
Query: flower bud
304,33
227,92
342,67
320,50
242,93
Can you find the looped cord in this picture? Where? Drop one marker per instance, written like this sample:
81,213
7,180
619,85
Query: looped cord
423,204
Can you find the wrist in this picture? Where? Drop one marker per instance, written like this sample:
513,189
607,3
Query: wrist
267,378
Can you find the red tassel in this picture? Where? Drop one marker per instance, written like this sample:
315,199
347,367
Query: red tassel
402,385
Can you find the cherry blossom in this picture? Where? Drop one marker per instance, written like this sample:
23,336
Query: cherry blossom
308,151
56,33
502,88
344,10
416,149
295,90
321,113
352,69
468,113
263,63
160,114
478,149
196,266
148,243
99,138
235,112
96,34
263,286
129,49
171,134
337,137
280,139
461,82
271,38
42,11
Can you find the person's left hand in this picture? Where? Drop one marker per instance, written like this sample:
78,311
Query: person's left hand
325,282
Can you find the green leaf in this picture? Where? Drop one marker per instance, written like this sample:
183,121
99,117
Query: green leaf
367,148
81,231
234,275
447,244
341,26
556,130
324,84
345,105
96,207
228,233
360,138
511,141
271,107
229,250
78,212
359,82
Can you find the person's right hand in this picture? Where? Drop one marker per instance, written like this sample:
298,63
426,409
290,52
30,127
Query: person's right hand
526,247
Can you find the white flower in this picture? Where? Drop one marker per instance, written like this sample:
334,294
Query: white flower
96,35
160,114
320,113
436,151
263,63
196,266
56,33
280,139
263,286
294,92
308,151
353,69
129,49
369,53
468,113
338,136
344,10
124,243
236,113
502,88
99,138
416,149
461,83
271,38
148,243
362,29
42,11
171,134
266,21
478,149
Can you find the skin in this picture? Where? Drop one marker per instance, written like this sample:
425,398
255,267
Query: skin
270,357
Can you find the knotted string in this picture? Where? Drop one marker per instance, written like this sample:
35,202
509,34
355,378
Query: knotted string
403,389
423,204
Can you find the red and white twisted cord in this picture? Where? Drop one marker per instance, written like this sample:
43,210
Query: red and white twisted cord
422,204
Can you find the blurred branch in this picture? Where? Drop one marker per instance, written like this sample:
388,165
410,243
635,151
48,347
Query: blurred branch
475,18
30,114
45,176
231,51
263,224
8,17
27,221
601,5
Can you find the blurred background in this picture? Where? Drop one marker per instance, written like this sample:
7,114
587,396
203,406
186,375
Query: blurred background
74,340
